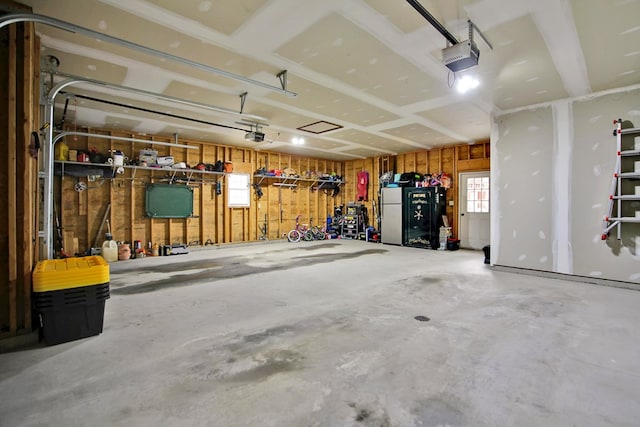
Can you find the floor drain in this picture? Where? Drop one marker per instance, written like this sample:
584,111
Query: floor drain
422,318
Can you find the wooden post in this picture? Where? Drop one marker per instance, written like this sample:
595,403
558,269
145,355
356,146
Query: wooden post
27,165
11,181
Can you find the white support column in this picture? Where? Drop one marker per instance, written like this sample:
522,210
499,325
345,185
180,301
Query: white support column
561,181
495,192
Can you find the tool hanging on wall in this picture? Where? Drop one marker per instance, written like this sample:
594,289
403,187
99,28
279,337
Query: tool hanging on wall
104,219
363,185
263,229
34,145
280,202
376,214
60,236
258,189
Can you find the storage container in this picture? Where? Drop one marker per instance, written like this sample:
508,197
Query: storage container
148,156
164,160
487,254
453,244
110,250
69,296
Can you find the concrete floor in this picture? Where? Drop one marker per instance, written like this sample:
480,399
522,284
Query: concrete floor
324,334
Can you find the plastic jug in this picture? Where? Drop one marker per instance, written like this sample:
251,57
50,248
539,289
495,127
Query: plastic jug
110,250
118,158
62,151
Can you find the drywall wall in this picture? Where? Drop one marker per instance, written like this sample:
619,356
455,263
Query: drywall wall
594,158
552,168
523,180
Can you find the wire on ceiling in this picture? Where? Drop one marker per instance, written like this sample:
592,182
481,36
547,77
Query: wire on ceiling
451,79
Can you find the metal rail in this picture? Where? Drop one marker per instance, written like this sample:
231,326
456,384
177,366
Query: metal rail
61,135
163,97
14,18
433,21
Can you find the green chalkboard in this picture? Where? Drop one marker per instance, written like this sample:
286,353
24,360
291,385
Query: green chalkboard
169,201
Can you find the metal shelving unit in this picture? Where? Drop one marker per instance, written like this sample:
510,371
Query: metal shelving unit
292,181
171,174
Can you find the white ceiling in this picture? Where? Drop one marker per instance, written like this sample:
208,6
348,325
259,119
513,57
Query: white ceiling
371,66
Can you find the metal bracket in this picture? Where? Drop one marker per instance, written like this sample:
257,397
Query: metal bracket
243,98
53,22
282,76
472,27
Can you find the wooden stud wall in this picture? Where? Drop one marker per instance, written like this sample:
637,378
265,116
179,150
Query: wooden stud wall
212,221
451,160
19,53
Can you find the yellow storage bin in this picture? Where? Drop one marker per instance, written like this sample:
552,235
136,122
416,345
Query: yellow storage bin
68,273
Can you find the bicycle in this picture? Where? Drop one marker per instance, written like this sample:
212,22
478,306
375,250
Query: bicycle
300,232
316,232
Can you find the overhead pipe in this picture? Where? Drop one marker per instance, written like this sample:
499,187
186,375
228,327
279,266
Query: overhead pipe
14,18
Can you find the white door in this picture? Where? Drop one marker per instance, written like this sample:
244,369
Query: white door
474,224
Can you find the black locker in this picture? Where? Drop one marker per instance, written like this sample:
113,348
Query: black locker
423,208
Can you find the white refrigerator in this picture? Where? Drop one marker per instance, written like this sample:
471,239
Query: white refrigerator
391,223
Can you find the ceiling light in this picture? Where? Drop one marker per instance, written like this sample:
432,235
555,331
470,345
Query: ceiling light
467,83
297,141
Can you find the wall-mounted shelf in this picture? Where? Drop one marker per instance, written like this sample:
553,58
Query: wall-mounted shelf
281,181
171,172
292,182
325,184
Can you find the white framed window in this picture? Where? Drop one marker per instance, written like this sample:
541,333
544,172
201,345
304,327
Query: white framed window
478,195
238,190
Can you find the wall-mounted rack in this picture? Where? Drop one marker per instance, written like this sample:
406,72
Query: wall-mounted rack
172,172
292,181
617,214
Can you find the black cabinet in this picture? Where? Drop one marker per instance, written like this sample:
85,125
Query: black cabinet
423,208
